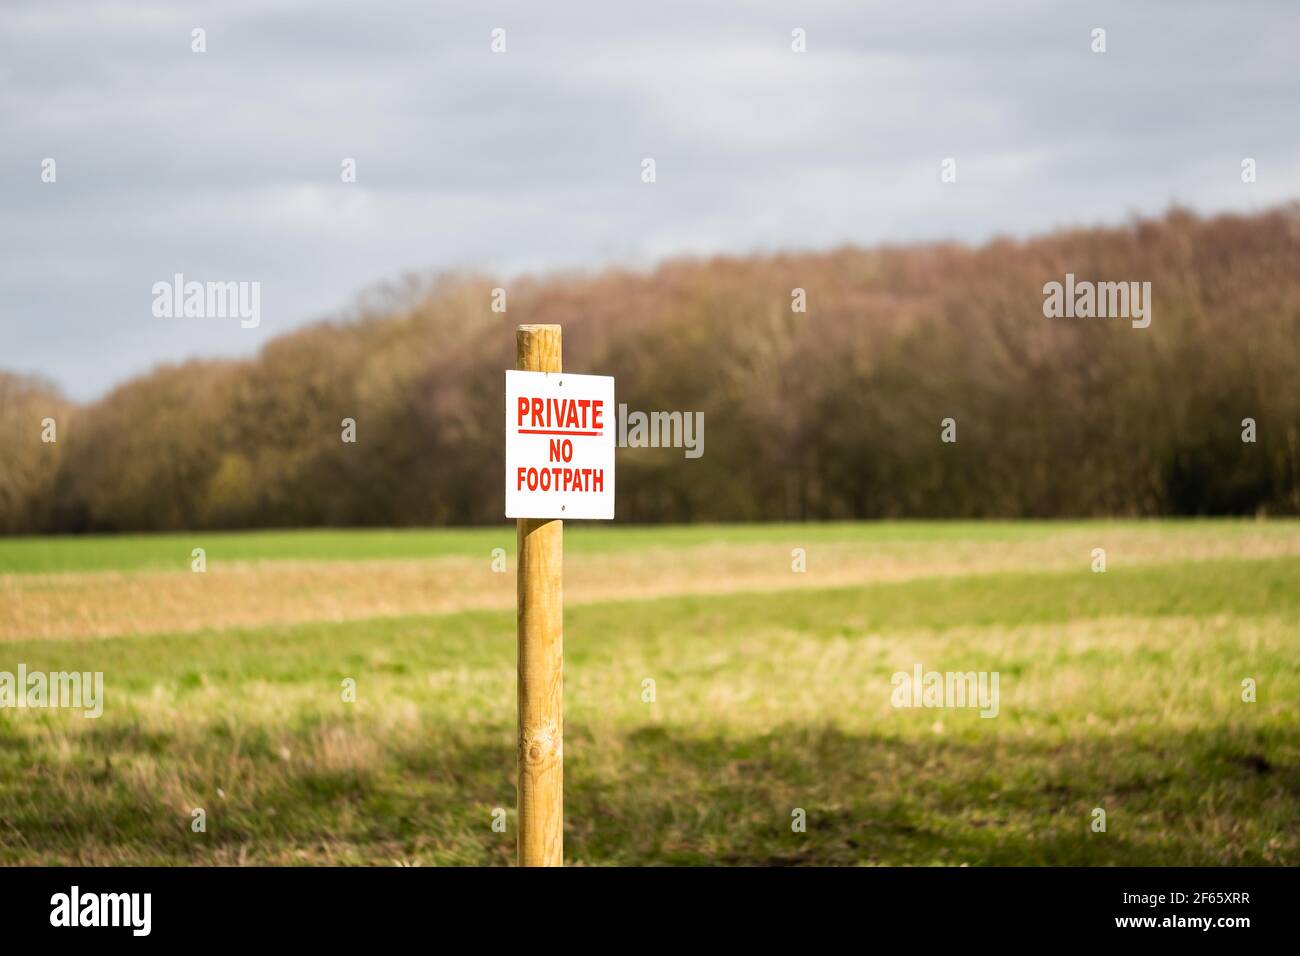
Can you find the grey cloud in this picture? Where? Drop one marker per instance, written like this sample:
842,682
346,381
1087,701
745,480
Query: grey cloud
226,165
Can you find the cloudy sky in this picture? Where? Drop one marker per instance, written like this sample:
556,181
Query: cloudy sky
225,165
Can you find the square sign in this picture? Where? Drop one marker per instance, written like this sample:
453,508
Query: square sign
559,445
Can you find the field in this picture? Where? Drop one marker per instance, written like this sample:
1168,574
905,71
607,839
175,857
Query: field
772,693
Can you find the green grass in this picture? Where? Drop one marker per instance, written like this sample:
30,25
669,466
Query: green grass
130,552
1119,690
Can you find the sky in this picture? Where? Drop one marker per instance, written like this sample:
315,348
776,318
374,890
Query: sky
226,165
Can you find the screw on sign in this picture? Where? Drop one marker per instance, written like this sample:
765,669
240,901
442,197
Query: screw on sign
559,464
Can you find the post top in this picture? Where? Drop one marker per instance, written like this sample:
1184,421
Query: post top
537,348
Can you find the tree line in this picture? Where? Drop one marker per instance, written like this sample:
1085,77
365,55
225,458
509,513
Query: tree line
825,381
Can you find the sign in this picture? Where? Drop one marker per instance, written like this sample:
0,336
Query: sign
559,445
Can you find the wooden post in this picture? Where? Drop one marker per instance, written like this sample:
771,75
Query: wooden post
540,596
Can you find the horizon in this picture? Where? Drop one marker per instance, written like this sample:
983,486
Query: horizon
347,313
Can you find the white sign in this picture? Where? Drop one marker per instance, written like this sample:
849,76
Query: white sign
559,445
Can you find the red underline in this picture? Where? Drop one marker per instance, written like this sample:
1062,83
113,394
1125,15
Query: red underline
543,431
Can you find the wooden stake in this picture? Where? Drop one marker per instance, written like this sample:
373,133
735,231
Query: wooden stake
540,596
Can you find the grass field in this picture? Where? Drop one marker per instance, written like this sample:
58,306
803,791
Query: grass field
1120,691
